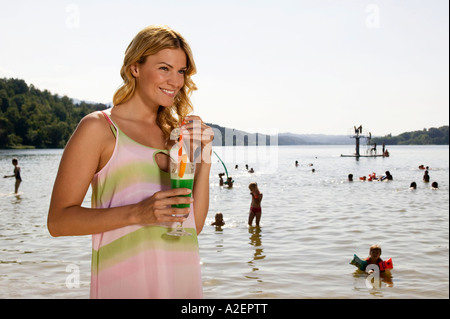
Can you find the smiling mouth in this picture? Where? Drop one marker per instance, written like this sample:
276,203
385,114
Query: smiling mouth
170,93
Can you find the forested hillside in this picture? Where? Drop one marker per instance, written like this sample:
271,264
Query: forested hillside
431,136
31,117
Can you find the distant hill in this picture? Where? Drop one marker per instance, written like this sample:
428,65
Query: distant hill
232,137
431,136
226,136
30,117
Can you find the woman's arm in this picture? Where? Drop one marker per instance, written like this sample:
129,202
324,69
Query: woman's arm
79,163
87,151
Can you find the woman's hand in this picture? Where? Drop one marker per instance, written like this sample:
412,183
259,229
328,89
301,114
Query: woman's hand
200,135
158,208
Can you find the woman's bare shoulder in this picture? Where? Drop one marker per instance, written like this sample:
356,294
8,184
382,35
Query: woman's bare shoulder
92,129
94,124
94,120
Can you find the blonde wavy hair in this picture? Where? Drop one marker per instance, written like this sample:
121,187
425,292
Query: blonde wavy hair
147,42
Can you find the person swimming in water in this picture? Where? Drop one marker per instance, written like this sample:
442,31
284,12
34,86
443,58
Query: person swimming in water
387,177
426,177
230,182
219,220
374,258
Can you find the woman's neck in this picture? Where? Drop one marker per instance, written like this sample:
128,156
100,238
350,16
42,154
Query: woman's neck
137,109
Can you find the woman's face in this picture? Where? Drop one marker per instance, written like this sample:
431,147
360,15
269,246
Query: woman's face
160,77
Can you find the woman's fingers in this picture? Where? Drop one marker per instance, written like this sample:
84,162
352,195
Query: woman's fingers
197,137
167,198
171,193
198,129
160,205
173,201
198,133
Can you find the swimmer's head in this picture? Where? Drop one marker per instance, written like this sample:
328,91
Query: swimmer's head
375,249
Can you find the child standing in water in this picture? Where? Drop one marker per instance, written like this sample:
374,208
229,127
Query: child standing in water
374,258
16,174
255,207
374,255
219,220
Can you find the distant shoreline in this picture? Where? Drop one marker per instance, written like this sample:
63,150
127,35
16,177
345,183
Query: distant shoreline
27,147
34,118
20,147
225,136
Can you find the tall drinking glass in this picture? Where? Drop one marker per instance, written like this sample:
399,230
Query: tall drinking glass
181,176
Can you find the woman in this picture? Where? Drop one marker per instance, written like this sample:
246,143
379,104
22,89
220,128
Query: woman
123,153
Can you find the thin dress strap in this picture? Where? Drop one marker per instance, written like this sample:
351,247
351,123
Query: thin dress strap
111,123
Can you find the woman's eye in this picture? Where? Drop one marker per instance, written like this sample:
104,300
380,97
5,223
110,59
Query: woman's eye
164,68
182,71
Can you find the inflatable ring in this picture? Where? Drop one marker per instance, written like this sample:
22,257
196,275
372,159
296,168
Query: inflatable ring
362,264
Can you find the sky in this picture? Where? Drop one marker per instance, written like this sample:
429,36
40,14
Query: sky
304,66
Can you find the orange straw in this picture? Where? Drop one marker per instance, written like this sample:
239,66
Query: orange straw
180,140
182,159
182,166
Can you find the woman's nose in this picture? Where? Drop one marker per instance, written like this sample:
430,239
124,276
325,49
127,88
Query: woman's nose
176,79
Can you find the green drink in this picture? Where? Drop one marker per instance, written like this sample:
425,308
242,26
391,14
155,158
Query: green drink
181,176
176,182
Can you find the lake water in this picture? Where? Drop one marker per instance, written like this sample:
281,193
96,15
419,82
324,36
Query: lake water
312,224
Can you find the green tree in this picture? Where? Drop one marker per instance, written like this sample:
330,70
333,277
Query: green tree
37,118
437,136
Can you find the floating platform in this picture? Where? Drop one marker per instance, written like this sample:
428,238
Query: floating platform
358,134
354,155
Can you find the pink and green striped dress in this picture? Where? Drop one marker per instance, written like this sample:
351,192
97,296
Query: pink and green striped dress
140,261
